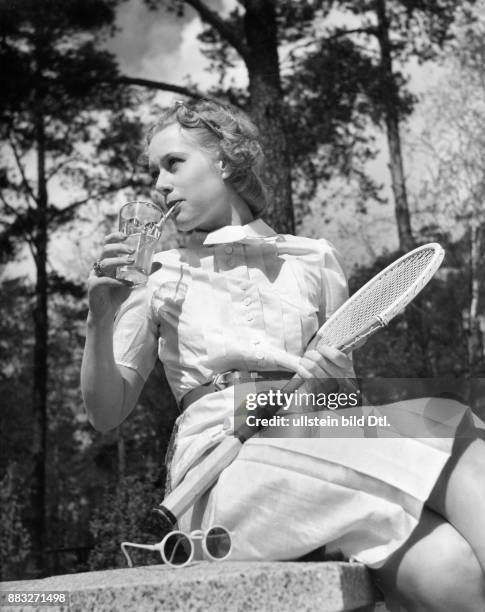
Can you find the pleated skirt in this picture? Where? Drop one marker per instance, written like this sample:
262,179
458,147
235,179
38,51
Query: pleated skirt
282,498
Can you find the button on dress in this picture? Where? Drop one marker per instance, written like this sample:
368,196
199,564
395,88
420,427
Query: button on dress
246,298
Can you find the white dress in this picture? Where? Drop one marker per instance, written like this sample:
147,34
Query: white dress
246,298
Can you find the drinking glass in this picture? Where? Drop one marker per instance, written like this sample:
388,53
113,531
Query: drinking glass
140,221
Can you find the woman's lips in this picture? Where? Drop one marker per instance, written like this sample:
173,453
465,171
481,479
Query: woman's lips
174,204
175,207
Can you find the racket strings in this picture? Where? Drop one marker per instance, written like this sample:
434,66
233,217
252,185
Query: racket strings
403,279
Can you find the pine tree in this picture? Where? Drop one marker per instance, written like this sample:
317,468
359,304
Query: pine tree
51,103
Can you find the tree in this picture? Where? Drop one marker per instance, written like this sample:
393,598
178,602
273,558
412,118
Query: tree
451,192
255,31
402,29
392,116
253,35
330,97
283,106
51,105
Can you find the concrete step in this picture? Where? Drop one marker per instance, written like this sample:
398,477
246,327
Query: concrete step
215,587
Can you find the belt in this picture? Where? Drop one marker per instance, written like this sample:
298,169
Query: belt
227,379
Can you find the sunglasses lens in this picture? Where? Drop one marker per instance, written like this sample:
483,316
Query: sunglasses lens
218,543
177,549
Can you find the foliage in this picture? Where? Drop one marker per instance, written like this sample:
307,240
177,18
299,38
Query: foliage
453,136
429,339
328,95
61,105
419,28
330,112
56,108
334,83
14,537
81,464
126,515
15,371
450,190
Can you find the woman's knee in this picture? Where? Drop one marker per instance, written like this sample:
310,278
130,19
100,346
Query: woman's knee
435,571
455,577
465,466
459,495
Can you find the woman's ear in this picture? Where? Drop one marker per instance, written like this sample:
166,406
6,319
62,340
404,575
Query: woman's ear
224,168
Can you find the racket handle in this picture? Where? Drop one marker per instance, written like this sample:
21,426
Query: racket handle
293,384
296,382
199,479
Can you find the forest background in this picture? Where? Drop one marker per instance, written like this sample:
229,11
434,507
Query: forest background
372,113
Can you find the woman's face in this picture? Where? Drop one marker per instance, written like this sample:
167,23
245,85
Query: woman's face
189,176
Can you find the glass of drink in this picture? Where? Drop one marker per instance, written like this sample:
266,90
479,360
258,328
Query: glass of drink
141,222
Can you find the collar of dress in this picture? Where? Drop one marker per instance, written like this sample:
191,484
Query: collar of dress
251,232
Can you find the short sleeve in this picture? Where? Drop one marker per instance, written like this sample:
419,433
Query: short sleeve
334,280
335,290
135,336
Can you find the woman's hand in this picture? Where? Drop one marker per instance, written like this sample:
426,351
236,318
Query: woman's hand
322,361
105,292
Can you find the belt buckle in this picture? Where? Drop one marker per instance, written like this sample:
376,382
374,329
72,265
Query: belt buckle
219,381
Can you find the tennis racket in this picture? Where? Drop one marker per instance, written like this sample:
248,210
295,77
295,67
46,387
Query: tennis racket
369,309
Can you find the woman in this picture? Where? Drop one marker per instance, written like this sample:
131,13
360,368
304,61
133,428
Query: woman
240,298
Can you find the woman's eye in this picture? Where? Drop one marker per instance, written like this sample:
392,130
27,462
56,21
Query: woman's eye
154,172
173,163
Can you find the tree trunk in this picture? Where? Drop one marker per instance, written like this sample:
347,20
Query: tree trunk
39,421
406,240
475,337
260,53
267,109
121,452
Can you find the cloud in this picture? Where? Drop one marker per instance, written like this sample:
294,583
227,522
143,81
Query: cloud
161,46
145,39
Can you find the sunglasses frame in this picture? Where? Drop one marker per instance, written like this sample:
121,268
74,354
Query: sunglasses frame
197,534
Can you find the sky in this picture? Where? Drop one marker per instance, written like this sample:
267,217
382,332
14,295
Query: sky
161,46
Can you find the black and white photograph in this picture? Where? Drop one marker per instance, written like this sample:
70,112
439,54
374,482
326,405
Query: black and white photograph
242,269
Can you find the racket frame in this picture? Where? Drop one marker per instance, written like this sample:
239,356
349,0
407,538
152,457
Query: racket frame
383,319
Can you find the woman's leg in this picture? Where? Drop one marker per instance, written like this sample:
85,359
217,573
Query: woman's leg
459,493
436,570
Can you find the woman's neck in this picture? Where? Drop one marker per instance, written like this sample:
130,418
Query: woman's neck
240,211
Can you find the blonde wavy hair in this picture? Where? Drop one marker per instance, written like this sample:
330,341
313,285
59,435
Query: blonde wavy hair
224,131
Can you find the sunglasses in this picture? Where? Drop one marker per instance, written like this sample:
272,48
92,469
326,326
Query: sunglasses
189,115
177,548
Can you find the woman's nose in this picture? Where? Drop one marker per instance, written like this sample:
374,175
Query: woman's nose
164,183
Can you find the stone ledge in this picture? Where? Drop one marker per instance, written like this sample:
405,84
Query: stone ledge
215,587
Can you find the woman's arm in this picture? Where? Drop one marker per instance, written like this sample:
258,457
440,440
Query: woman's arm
110,391
320,361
